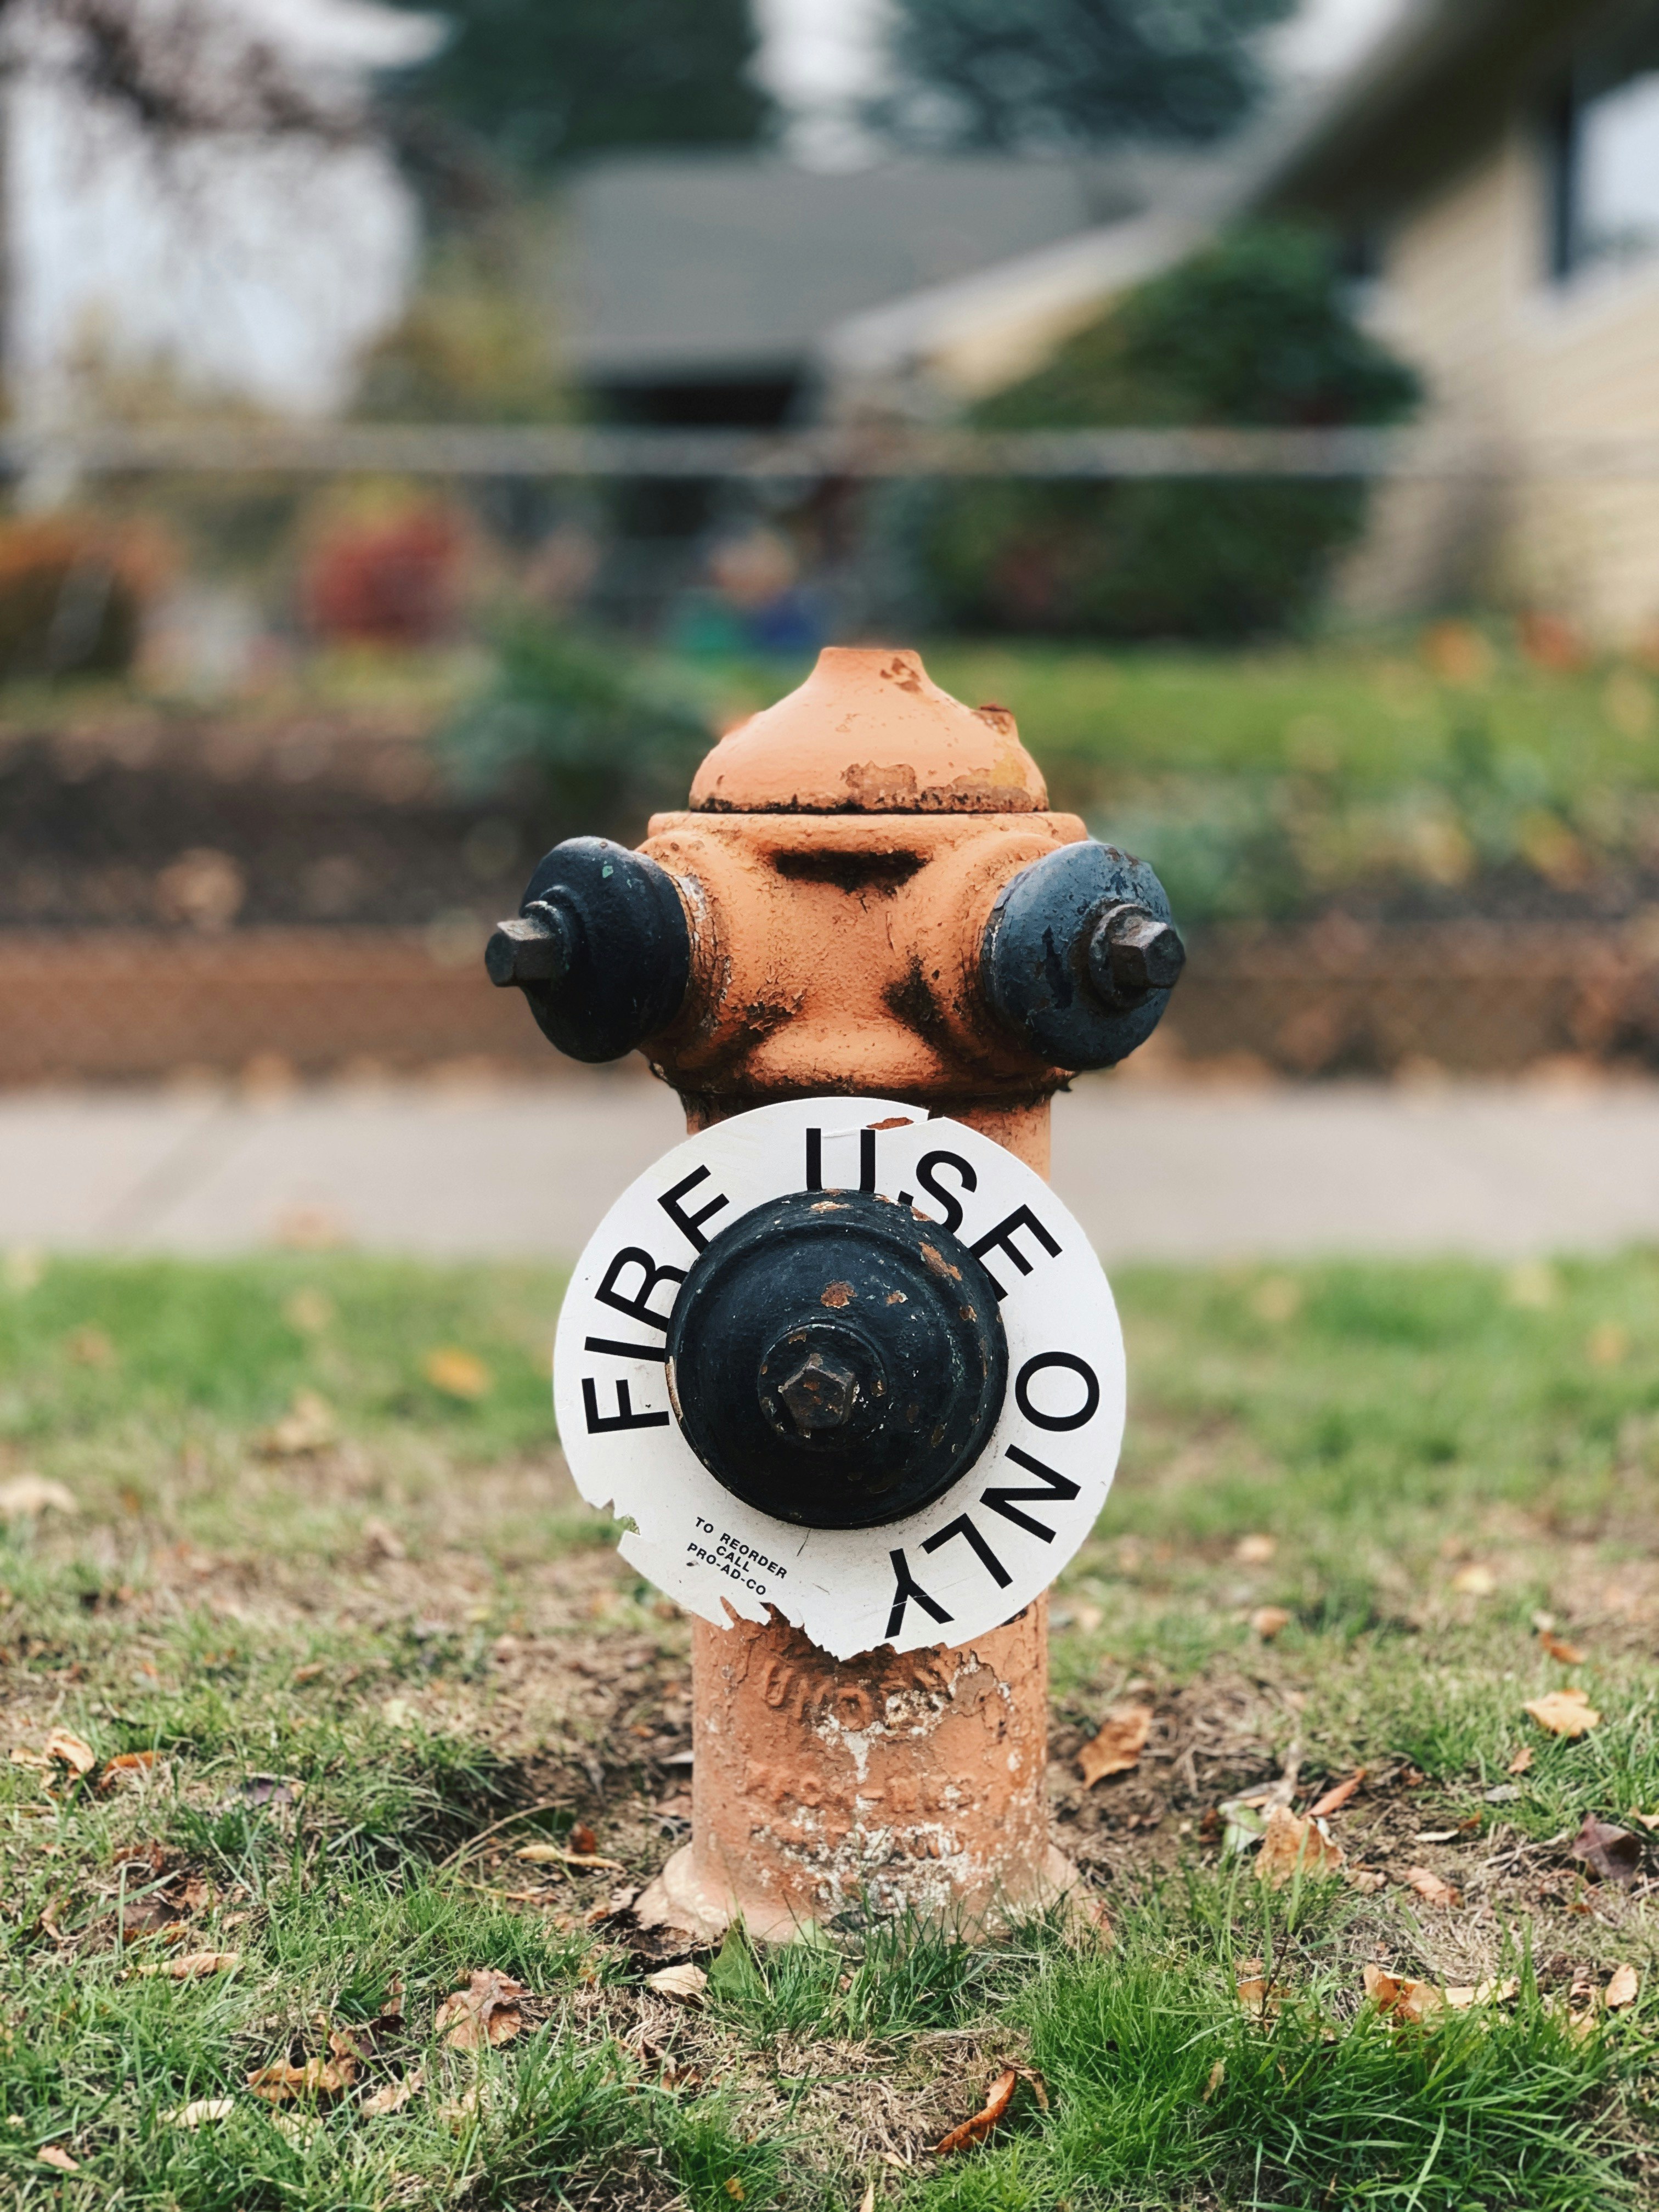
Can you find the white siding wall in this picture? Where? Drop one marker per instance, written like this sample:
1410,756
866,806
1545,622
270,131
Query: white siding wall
1508,353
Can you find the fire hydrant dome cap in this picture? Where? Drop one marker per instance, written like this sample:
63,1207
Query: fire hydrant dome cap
870,732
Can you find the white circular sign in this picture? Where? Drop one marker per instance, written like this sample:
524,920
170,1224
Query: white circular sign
962,1564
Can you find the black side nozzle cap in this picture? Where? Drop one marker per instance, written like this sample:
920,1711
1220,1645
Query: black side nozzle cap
1080,954
601,948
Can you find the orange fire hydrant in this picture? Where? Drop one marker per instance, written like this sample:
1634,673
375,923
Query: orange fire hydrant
866,897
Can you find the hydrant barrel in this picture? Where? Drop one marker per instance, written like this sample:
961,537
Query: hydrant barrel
866,897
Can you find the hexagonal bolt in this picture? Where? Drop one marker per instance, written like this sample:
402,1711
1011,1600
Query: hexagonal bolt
1131,953
820,1394
535,947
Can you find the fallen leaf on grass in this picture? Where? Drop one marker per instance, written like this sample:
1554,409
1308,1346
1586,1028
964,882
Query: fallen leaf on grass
26,1495
553,1855
867,2201
582,1837
128,1766
686,1983
1613,1853
1254,1551
1623,1990
1260,1998
998,2098
1366,1880
89,1347
1431,1888
1649,1820
1292,1846
456,1373
1559,1648
52,2155
1489,1992
1337,1796
1117,1747
735,2189
1474,1581
1267,1621
310,1672
204,2109
1400,1998
1218,2075
71,1751
1522,1761
193,1965
1563,1712
308,1425
485,2011
283,2084
392,2096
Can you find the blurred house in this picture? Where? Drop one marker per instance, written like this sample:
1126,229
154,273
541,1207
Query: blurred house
1494,165
728,289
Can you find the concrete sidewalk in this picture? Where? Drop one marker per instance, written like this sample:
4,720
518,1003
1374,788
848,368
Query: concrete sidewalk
528,1171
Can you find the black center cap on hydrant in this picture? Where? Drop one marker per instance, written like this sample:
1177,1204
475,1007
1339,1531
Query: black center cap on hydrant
836,1361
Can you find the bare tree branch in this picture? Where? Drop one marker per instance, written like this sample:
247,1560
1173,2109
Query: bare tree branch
179,68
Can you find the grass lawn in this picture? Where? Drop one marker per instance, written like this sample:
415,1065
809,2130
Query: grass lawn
326,1569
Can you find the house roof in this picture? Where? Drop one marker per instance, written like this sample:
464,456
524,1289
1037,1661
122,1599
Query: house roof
1444,78
722,266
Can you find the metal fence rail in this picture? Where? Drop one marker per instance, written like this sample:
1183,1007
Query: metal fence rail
559,450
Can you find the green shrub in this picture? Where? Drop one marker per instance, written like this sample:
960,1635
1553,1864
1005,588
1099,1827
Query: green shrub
1252,331
594,729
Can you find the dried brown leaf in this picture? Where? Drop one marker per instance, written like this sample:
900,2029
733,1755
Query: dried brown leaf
26,1495
867,2201
1623,1989
686,1983
1474,1581
1401,1998
55,2155
1615,1854
582,1837
1488,1992
456,1373
1261,1998
128,1766
392,2096
71,1751
318,2077
486,2010
1255,1550
1117,1747
194,1966
1559,1648
1563,1712
1337,1796
1268,1620
1429,1886
1523,1760
204,2109
1218,2075
998,2098
307,1426
1293,1846
551,1855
